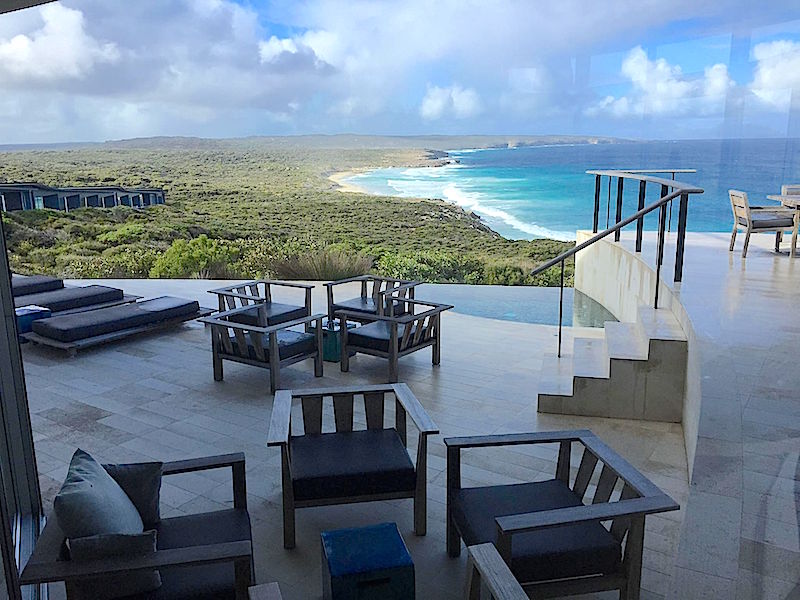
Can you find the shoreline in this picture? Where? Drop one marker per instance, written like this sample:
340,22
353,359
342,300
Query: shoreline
344,186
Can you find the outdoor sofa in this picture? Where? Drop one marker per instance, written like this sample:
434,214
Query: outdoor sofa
72,332
22,285
74,299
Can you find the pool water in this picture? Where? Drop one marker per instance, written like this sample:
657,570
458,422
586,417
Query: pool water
525,304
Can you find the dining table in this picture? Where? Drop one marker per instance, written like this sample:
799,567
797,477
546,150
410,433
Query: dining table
790,201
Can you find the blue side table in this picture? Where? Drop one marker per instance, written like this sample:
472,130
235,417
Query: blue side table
26,315
366,563
331,339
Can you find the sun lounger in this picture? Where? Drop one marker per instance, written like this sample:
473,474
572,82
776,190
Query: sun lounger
76,331
22,285
75,299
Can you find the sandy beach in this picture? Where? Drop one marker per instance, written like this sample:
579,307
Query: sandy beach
345,186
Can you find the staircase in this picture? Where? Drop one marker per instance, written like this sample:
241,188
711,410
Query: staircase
633,371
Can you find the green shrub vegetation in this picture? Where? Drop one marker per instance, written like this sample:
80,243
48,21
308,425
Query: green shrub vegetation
253,208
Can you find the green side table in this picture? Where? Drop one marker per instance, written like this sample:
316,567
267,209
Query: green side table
331,340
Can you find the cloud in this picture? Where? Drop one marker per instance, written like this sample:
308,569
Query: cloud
93,69
59,49
661,89
272,48
777,73
454,101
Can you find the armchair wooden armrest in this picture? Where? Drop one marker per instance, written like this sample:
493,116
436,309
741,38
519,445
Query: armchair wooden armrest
486,566
515,439
216,320
414,409
292,284
234,460
66,570
280,421
605,511
203,464
330,284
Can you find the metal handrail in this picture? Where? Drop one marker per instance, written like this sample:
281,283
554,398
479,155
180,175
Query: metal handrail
635,216
644,177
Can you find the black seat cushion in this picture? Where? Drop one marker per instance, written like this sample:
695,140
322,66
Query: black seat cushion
558,552
204,582
376,335
766,219
79,326
290,343
358,463
22,285
365,305
276,313
69,298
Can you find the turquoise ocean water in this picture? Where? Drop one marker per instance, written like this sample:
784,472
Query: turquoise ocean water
543,191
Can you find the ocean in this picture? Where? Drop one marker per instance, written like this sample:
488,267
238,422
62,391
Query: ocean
543,191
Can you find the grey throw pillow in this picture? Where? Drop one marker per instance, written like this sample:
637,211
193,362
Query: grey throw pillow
108,545
142,483
91,502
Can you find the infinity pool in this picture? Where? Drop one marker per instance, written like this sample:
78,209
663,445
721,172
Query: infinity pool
518,303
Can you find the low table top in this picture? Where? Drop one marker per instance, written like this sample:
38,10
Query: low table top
365,549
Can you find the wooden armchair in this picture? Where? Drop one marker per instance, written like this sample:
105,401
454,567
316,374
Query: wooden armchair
346,465
393,336
554,544
757,219
204,556
272,347
371,302
258,293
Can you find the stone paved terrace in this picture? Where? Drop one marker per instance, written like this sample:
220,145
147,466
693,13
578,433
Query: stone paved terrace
154,397
740,535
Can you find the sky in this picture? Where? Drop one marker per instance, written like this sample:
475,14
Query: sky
94,70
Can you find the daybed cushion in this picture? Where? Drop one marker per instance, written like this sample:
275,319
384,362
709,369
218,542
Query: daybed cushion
205,582
332,465
290,343
142,483
765,219
22,285
376,335
91,502
556,552
107,546
69,328
276,314
69,298
365,305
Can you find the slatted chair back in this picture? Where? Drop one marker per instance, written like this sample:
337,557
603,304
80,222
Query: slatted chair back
599,481
344,404
423,328
739,205
224,331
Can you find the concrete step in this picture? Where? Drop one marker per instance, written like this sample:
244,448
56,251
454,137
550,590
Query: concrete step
557,375
659,324
590,358
625,341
